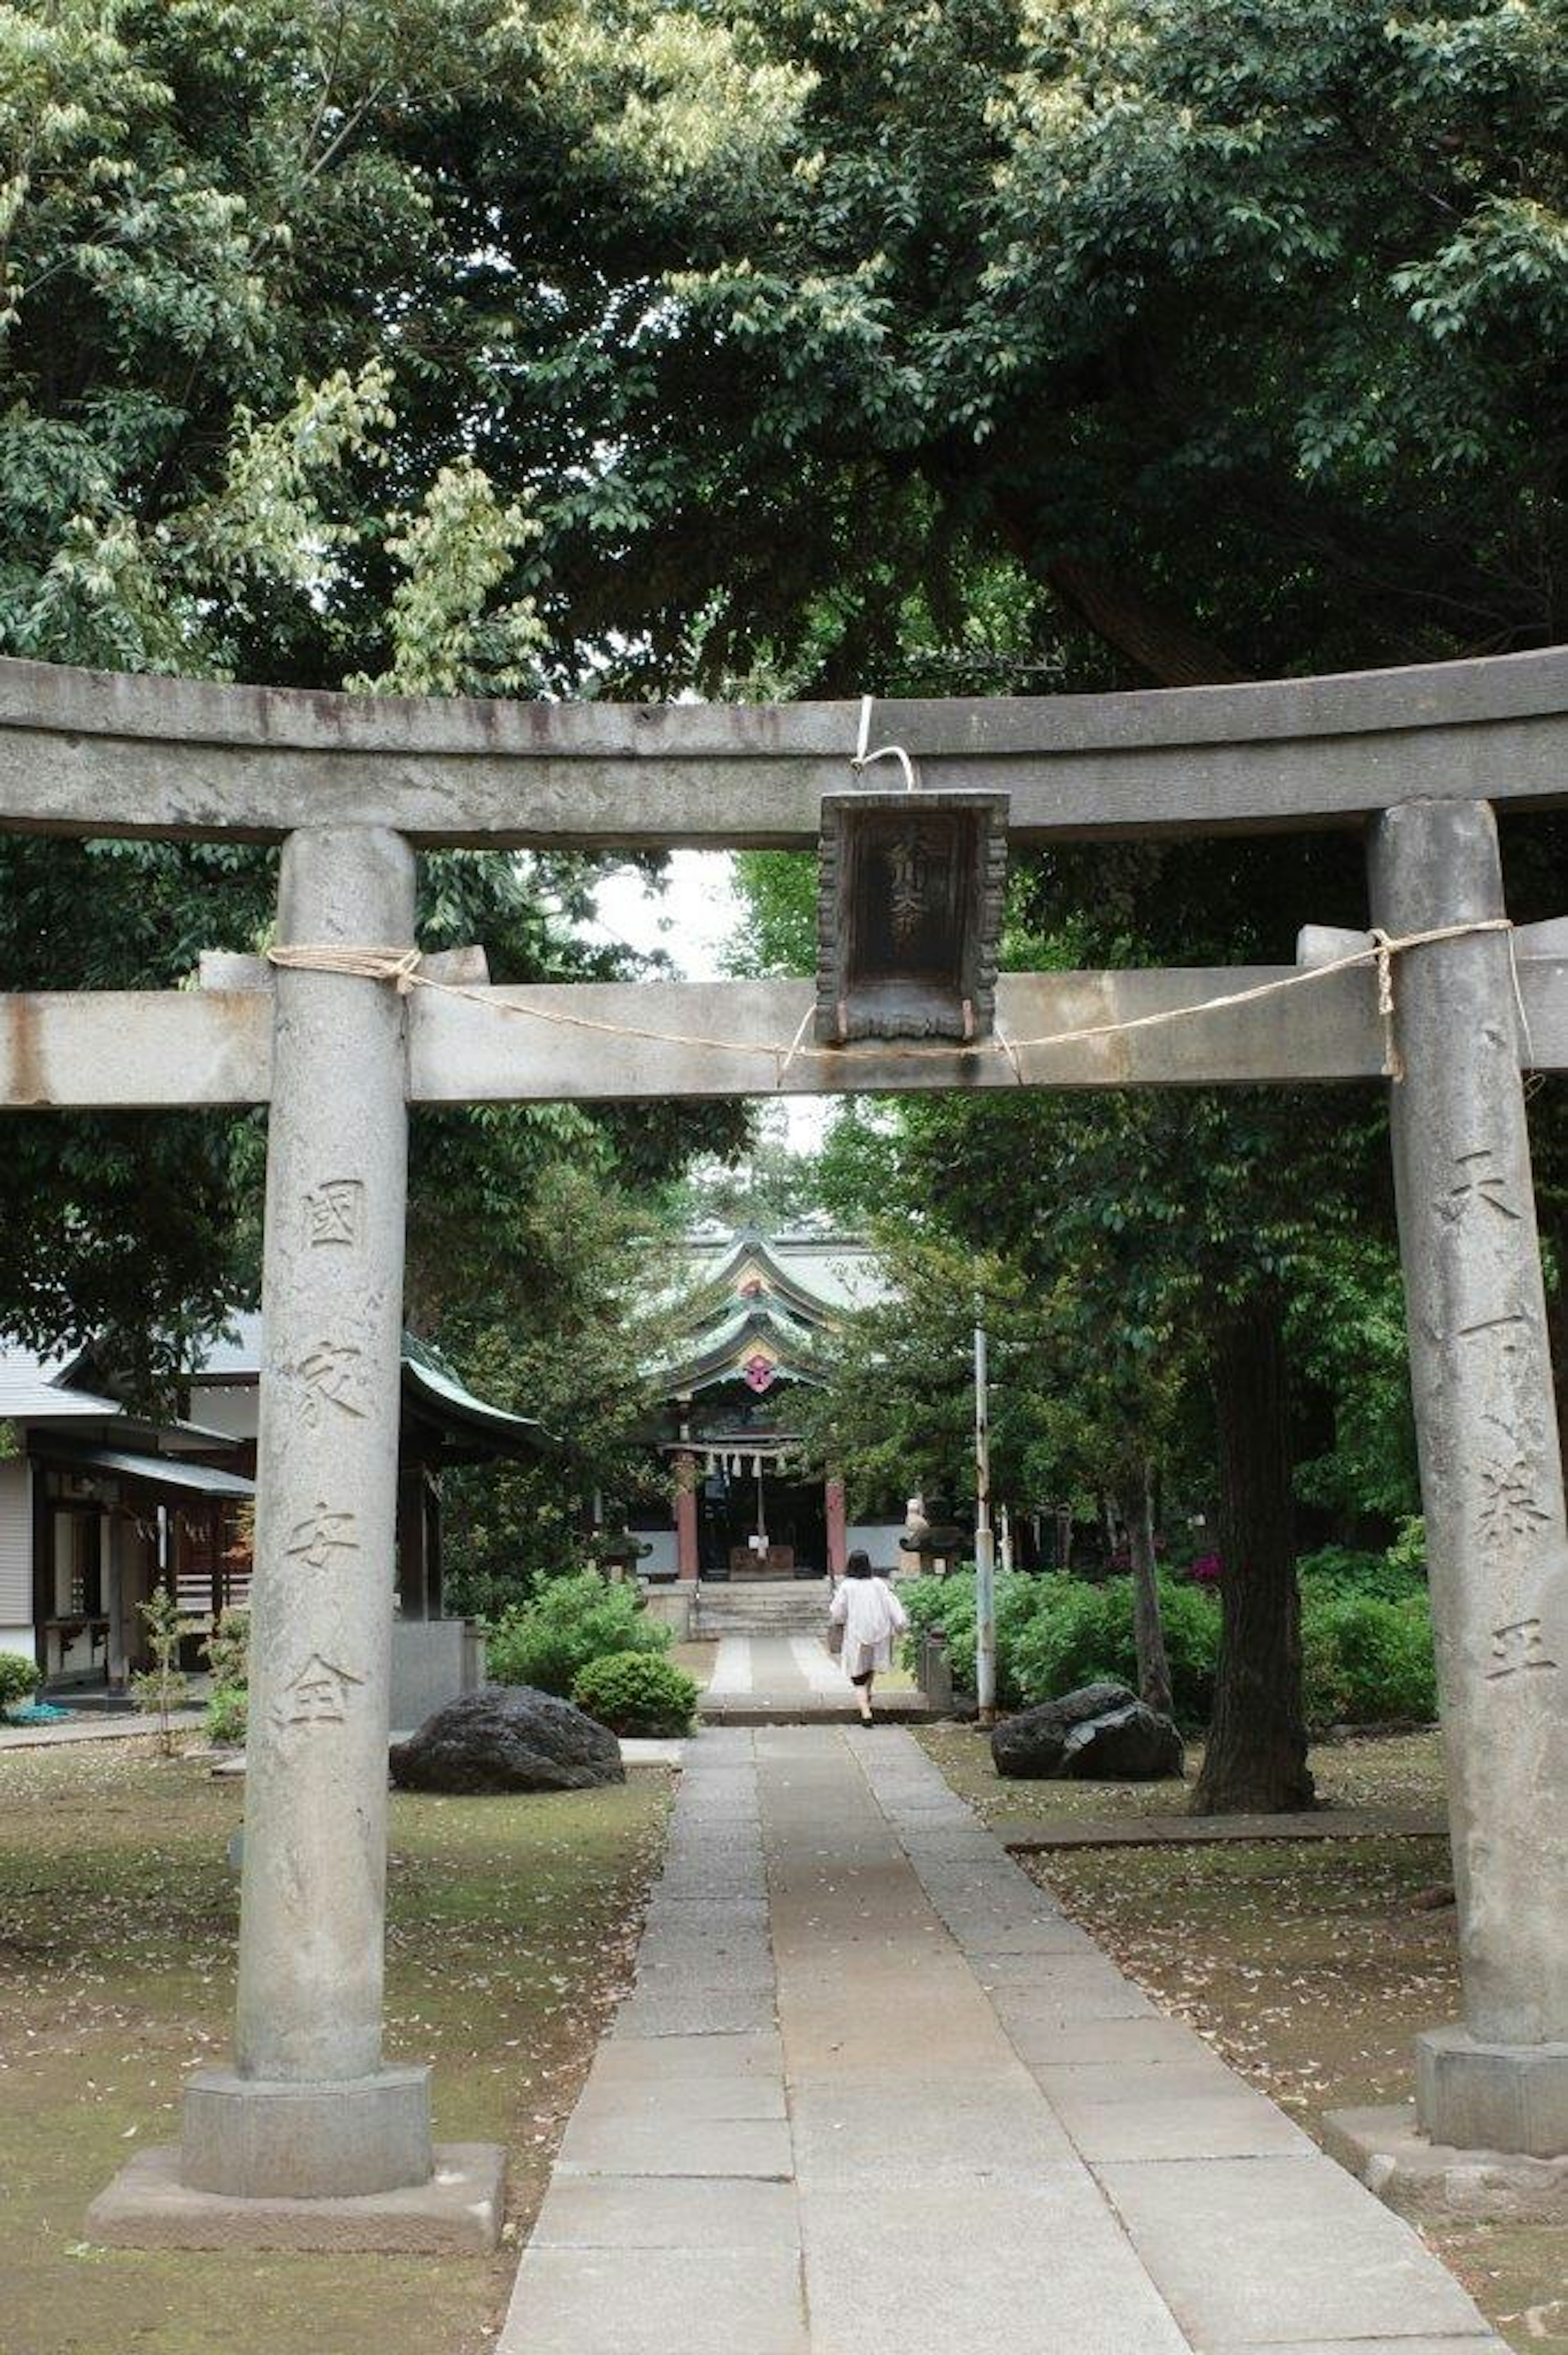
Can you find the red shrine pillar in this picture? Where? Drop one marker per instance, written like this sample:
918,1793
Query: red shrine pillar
838,1527
686,1517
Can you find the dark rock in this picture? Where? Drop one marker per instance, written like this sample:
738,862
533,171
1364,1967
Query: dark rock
508,1738
1100,1734
1132,1744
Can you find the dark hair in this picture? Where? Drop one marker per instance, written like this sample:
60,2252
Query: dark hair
859,1566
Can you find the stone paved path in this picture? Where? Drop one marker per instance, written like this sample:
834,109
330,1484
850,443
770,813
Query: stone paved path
873,2092
114,1726
789,1677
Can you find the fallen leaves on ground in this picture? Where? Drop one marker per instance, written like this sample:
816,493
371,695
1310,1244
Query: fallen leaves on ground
512,1923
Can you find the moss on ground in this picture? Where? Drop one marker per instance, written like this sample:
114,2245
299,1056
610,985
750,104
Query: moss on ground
512,1927
1310,1965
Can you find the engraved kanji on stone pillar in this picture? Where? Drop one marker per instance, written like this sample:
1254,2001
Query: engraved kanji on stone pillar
1491,1480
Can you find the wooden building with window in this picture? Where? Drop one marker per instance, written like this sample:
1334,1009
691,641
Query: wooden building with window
98,1506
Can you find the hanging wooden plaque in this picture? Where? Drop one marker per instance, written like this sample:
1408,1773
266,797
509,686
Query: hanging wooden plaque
909,904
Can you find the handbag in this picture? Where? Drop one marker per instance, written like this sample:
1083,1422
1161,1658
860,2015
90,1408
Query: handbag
835,1639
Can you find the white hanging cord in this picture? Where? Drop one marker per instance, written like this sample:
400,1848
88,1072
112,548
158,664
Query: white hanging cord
1008,1049
1532,1078
864,756
783,1062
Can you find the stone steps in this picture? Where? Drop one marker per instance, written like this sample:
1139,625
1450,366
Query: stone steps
799,1608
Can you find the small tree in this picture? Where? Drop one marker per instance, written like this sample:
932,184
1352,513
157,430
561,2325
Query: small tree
227,1653
160,1691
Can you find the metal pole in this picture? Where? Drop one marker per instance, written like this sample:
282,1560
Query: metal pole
985,1555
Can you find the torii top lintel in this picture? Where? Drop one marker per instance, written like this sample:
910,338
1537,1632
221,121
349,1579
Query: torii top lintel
89,752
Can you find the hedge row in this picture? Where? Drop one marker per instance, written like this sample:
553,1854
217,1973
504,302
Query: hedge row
1367,1655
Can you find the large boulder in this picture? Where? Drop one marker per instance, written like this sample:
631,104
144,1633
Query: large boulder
508,1738
1101,1733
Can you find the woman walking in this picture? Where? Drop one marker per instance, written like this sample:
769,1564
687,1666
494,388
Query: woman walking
870,1614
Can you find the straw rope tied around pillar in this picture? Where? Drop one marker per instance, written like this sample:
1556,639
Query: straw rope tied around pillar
401,969
1393,1067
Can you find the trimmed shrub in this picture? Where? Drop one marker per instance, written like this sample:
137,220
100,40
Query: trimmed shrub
1366,1637
228,1708
948,1604
1367,1659
637,1693
571,1621
19,1680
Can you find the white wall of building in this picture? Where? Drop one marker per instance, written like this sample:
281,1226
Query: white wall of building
16,1556
664,1559
230,1407
879,1540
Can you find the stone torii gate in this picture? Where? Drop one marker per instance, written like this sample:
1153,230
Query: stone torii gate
351,790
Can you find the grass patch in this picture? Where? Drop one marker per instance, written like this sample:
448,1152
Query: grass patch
1309,1965
512,1928
1401,1771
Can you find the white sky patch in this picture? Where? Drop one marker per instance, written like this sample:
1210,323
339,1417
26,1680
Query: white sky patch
693,919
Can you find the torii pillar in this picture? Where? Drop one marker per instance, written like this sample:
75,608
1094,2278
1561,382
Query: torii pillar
311,2139
1491,1480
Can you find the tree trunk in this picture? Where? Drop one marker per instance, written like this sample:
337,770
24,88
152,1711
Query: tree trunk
1148,635
1255,1760
1148,1629
1145,632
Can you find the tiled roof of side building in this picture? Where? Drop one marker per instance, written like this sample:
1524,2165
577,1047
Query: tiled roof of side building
34,1389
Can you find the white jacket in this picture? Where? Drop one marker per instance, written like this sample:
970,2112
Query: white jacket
871,1615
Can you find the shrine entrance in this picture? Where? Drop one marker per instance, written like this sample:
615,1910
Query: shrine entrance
760,1521
345,1026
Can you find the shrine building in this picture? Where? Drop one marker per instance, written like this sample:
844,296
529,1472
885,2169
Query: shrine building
768,1309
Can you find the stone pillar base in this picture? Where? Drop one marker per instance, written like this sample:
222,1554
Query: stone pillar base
259,2138
458,2212
1434,2183
1492,2096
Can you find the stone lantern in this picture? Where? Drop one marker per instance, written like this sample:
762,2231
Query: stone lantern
618,1553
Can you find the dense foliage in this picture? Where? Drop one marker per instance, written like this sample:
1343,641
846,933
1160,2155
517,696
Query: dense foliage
1056,1633
252,401
570,1621
1366,1629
